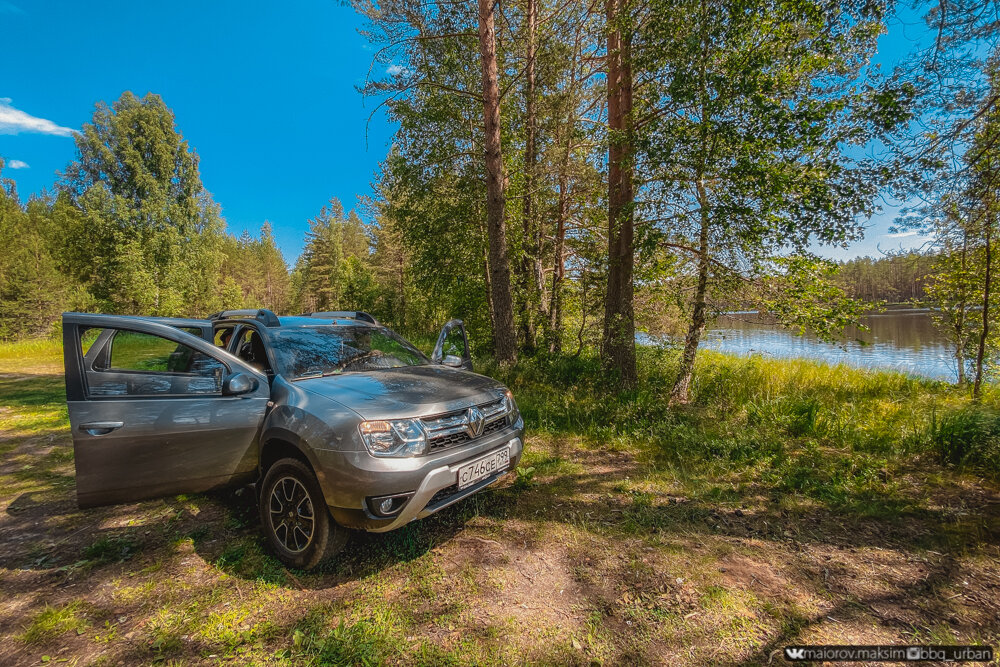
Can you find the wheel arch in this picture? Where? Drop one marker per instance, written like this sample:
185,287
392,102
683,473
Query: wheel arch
279,443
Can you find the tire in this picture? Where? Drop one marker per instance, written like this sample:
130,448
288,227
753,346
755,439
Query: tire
294,516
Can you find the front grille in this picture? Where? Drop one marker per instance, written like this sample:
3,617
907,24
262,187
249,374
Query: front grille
446,441
452,429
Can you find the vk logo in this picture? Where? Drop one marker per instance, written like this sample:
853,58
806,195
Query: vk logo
795,653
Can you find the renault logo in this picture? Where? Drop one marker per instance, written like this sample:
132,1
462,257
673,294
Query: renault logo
475,419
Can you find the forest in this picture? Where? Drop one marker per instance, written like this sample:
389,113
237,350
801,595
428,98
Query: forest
563,176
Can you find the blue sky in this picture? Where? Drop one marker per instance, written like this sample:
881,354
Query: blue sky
265,92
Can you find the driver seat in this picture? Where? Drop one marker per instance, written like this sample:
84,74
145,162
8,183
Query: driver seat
253,352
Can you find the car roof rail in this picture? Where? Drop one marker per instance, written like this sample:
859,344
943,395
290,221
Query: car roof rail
262,315
343,314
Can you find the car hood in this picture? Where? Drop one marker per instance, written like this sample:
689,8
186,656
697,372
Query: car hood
413,391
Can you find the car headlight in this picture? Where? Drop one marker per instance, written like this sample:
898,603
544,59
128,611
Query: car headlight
400,437
510,407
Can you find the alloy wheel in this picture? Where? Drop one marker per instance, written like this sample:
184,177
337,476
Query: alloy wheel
293,519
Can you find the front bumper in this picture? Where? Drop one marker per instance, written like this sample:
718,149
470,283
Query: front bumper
433,478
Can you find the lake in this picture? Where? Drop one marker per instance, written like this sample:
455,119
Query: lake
902,339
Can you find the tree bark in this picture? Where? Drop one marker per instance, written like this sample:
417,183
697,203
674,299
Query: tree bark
558,268
960,317
681,392
504,337
987,289
618,344
531,264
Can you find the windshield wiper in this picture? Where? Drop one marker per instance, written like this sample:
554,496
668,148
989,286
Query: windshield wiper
339,368
311,375
353,360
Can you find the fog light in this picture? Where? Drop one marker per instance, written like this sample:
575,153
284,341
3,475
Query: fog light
385,506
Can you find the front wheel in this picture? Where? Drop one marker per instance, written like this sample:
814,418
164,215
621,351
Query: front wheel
294,516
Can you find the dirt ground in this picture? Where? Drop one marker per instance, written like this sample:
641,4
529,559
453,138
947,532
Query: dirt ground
597,556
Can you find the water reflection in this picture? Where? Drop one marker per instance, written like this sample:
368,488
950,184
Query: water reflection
905,340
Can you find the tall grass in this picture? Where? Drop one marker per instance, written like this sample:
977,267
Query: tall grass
42,349
970,436
835,434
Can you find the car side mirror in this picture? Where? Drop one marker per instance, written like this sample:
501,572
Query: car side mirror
454,338
452,360
238,383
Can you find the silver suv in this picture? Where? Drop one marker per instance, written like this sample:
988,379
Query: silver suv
340,423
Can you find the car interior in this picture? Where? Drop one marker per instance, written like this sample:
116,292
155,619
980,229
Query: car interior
250,348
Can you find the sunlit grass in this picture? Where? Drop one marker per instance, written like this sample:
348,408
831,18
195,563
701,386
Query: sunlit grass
839,436
614,478
43,355
52,622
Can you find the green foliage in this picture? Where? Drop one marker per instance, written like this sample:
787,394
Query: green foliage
431,194
33,290
752,125
968,437
525,476
148,239
254,273
334,271
961,205
804,296
837,435
894,277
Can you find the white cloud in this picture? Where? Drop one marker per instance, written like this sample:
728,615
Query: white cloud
901,235
18,164
396,70
15,121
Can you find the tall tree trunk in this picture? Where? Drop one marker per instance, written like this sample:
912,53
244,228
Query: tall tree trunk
504,337
681,392
558,267
402,291
960,317
530,278
987,289
565,140
960,357
618,344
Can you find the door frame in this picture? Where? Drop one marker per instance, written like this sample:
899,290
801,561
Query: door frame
165,327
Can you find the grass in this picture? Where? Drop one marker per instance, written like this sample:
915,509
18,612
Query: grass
52,622
790,502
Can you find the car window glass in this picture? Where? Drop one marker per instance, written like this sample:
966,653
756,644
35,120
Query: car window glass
87,338
132,363
223,336
134,351
251,349
302,352
454,343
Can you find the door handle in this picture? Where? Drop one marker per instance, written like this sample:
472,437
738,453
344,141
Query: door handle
100,428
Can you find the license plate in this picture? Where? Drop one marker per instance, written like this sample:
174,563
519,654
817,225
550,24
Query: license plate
483,468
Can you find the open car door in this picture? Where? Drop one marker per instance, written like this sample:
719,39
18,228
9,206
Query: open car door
155,410
452,348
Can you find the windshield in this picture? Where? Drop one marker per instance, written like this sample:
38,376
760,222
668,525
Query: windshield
304,352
